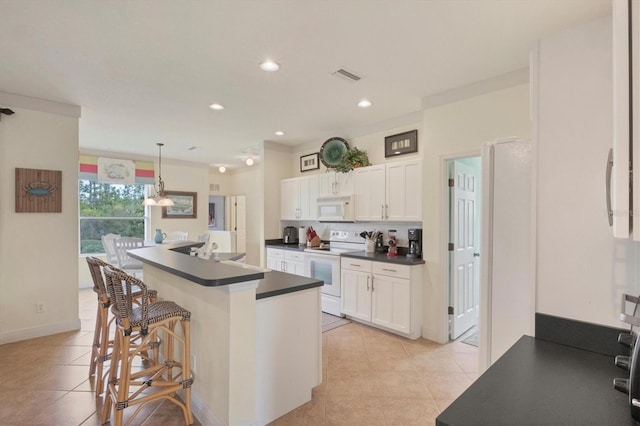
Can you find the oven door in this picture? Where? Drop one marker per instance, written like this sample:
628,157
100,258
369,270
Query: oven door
325,267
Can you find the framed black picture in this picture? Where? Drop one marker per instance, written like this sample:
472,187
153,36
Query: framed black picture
310,162
185,205
402,143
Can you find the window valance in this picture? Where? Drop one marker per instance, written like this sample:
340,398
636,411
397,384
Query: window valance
113,170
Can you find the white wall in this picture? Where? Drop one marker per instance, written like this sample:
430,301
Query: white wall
277,161
38,251
183,177
451,129
581,269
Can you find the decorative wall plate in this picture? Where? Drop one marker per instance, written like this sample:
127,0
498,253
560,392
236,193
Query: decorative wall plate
332,151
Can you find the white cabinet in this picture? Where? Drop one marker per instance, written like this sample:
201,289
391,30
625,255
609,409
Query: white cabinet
369,192
355,280
383,294
298,198
389,192
334,184
626,99
288,261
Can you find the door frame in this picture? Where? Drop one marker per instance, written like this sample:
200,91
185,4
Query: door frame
444,234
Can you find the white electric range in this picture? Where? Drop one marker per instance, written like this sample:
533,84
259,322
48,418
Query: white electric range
323,263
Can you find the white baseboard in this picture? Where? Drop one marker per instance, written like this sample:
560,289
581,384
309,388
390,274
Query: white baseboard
202,412
40,331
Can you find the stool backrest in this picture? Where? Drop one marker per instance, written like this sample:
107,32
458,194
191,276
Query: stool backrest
95,267
109,244
177,236
127,243
122,296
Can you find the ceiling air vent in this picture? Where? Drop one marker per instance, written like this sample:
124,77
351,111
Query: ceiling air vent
214,187
348,75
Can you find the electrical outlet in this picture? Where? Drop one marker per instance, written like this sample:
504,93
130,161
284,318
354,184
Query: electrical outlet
40,307
193,362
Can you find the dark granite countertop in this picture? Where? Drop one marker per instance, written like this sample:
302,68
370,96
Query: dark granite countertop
376,257
172,258
382,257
278,244
537,382
276,283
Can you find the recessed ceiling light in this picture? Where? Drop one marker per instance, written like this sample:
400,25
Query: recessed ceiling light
249,161
269,66
364,103
279,133
217,107
222,169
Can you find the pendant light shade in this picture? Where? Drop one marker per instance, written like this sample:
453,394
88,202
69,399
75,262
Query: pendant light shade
159,199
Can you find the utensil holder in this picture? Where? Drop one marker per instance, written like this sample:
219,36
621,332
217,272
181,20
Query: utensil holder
369,246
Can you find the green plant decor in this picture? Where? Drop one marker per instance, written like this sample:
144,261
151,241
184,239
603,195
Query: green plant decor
352,159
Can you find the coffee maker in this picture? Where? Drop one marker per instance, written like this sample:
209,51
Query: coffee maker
290,235
415,243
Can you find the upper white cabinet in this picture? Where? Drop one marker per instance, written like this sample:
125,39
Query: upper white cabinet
626,101
298,198
335,184
389,192
369,192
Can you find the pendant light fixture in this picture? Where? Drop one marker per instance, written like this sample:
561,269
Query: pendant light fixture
159,199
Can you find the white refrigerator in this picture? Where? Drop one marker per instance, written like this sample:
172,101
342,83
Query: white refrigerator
507,288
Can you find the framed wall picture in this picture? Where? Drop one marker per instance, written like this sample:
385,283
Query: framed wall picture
402,143
38,191
310,162
185,205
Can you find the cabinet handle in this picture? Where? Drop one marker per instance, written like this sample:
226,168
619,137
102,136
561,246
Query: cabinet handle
386,207
368,282
372,285
337,188
389,270
382,211
608,185
355,264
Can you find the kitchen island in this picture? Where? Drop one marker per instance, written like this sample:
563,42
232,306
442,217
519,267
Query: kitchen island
255,334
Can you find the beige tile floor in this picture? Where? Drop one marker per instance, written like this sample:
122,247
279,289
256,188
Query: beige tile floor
369,378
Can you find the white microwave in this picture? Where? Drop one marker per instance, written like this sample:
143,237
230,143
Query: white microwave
336,209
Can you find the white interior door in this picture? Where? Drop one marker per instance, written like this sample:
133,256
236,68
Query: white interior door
464,259
239,222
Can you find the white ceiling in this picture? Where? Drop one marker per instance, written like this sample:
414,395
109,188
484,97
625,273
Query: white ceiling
146,71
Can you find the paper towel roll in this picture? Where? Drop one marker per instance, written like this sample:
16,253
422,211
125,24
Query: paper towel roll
302,235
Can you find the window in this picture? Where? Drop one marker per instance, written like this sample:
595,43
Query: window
109,208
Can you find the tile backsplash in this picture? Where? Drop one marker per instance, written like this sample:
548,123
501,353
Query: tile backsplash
324,228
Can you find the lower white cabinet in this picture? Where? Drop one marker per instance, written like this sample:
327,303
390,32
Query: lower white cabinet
386,295
288,261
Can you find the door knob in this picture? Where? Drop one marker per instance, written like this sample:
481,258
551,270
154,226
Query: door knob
476,254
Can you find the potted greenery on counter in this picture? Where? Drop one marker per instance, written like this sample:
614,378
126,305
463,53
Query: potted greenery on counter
352,159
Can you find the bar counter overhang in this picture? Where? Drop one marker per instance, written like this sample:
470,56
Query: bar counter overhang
256,335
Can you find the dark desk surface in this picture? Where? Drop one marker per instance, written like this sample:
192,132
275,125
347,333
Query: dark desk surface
542,383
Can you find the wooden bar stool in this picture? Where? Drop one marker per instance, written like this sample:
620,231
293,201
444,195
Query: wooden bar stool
102,345
151,321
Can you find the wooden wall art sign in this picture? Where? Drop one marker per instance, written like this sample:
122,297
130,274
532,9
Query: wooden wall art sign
38,191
